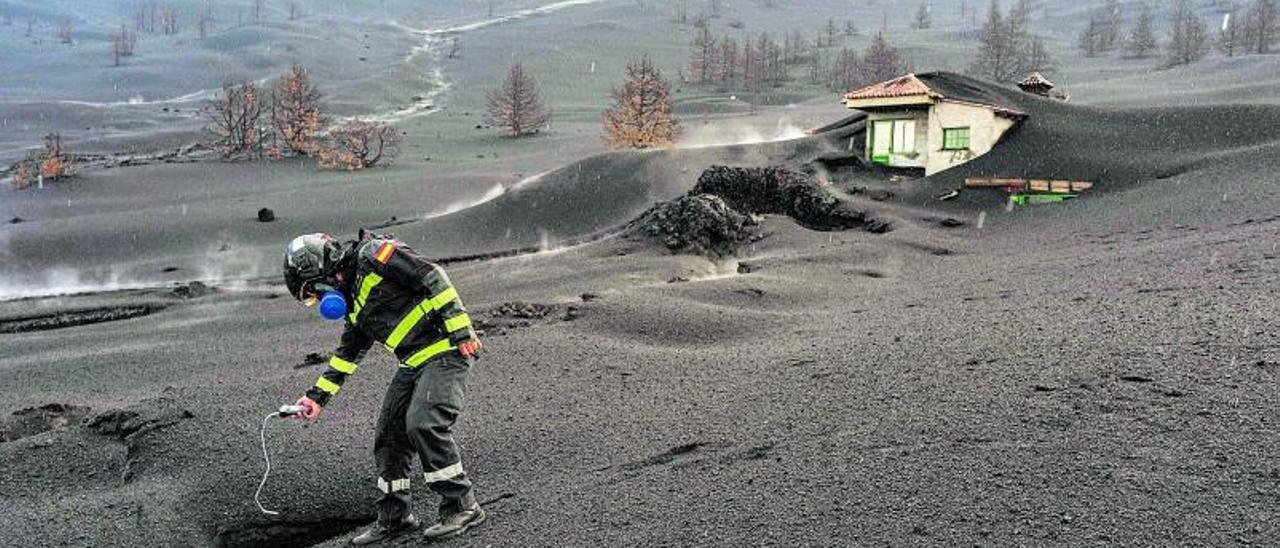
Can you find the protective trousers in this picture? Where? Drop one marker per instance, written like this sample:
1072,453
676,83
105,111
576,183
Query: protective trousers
418,414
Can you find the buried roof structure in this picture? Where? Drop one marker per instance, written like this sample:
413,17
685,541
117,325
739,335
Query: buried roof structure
1036,83
930,121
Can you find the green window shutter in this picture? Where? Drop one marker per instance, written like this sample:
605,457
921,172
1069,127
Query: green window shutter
955,138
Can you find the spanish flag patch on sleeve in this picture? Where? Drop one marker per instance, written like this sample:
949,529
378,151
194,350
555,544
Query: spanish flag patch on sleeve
384,253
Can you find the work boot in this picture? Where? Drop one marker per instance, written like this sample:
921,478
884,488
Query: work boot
455,525
380,532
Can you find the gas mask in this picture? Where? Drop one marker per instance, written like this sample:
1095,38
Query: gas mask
332,305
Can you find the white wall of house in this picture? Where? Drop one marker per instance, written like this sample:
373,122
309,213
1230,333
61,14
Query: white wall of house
985,129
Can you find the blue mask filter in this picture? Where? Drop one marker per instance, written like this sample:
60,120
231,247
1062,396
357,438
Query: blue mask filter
333,306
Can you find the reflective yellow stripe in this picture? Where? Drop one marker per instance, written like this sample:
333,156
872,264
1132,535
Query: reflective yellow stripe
440,347
342,366
371,280
456,323
416,314
445,297
448,472
406,325
327,386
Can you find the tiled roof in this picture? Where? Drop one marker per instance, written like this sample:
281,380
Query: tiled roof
904,86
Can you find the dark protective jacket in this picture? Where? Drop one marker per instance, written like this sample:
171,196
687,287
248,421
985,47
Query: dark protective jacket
397,298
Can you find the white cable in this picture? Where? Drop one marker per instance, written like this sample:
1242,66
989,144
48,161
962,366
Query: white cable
262,435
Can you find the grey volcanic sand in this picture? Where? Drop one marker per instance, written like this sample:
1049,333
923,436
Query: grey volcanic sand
1099,372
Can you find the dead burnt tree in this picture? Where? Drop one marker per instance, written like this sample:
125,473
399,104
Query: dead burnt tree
846,72
924,17
1188,37
1142,39
359,144
296,112
882,61
641,116
516,107
234,116
294,9
204,21
1261,26
728,61
122,44
169,20
63,30
702,65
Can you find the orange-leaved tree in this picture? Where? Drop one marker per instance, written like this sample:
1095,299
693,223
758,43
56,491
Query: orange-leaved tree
54,163
296,112
49,164
641,116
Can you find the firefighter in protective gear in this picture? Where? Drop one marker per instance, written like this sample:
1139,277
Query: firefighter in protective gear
399,299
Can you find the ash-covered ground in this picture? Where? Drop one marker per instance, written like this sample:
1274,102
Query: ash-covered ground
1096,372
679,353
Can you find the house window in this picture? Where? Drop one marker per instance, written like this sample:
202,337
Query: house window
890,139
955,138
904,136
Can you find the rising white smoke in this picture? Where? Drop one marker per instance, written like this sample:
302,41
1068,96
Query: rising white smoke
64,281
739,132
492,194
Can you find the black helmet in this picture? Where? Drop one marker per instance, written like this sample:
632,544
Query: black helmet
309,260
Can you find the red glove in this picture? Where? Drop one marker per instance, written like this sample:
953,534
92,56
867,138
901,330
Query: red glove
310,409
470,348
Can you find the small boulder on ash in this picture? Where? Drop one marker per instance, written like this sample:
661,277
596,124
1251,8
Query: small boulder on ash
266,215
16,220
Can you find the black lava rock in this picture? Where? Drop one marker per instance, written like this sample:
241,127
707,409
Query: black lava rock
265,215
779,191
700,223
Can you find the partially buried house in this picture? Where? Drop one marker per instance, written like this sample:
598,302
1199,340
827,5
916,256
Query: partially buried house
931,121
